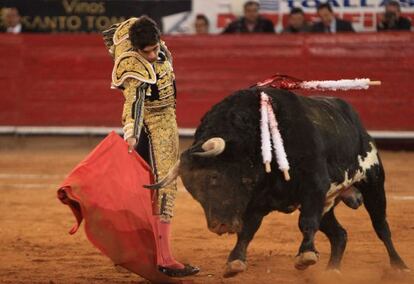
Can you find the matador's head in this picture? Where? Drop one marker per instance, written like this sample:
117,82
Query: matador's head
145,38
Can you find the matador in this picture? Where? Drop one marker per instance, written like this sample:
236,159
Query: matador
143,71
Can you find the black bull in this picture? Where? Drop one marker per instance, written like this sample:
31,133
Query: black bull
330,154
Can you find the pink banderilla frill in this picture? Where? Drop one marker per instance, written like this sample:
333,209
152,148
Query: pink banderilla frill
269,130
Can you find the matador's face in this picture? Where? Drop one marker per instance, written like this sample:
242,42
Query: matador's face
150,52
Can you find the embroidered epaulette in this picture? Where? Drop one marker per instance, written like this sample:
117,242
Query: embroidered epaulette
132,65
122,32
164,49
115,37
108,37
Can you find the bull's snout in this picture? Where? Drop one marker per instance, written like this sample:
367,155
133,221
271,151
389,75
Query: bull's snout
221,228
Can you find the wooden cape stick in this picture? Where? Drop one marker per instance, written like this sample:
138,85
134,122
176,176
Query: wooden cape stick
374,83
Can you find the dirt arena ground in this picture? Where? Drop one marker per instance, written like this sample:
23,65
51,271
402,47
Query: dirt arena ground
36,248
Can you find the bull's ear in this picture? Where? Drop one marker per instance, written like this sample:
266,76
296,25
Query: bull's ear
211,148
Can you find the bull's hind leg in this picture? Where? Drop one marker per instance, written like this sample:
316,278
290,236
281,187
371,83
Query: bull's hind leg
236,261
313,199
337,237
375,202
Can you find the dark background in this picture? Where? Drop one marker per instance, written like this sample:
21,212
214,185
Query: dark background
89,16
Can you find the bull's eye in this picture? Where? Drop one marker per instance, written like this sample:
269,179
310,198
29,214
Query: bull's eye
213,180
247,181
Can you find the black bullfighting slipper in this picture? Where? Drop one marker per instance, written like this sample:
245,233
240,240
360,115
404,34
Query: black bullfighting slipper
188,270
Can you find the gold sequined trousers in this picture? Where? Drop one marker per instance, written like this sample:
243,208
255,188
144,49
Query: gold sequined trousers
161,127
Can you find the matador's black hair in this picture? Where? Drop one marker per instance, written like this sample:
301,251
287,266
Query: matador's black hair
144,32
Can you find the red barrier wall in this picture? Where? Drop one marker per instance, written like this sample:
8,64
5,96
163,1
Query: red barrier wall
63,80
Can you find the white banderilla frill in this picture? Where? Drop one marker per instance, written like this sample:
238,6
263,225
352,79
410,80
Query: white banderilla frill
269,130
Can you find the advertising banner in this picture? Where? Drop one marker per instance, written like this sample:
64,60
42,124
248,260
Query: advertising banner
88,16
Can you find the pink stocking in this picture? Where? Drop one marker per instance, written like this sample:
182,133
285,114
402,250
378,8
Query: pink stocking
164,254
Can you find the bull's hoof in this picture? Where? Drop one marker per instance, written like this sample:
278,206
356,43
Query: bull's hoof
399,266
234,267
330,275
305,259
403,270
333,273
397,275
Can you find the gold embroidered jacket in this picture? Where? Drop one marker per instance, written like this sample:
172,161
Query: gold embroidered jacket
143,84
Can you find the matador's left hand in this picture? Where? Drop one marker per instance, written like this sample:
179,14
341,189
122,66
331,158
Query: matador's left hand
131,143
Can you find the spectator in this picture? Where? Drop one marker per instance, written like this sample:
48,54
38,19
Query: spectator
329,23
297,22
251,22
392,20
11,21
201,25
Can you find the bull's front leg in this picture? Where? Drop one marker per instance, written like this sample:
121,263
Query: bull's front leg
236,261
309,220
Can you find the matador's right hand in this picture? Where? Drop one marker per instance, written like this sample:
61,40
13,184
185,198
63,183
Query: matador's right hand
132,141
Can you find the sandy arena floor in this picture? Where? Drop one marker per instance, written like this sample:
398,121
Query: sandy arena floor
36,248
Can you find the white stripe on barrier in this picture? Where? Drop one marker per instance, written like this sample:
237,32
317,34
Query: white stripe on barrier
86,130
391,134
402,197
72,130
28,186
29,176
43,186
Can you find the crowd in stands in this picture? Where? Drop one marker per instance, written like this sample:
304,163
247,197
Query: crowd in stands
392,19
253,22
201,25
11,21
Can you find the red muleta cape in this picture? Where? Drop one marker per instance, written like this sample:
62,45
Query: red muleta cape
106,189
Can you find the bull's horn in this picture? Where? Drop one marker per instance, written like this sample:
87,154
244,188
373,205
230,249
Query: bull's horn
212,147
168,179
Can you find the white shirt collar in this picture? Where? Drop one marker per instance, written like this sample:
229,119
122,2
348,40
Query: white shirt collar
333,26
15,30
